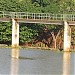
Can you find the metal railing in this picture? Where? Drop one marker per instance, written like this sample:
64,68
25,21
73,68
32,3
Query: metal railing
38,16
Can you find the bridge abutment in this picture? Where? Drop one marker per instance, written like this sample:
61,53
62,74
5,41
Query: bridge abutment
67,36
15,33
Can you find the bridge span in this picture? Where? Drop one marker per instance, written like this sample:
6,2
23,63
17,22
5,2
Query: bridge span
45,18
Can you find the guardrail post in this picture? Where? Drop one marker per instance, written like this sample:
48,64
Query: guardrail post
15,33
67,36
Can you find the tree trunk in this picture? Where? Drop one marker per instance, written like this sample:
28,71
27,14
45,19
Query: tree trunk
55,44
55,38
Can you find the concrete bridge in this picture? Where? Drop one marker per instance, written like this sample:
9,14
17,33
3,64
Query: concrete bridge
45,18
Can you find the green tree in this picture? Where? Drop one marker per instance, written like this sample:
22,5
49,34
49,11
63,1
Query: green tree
30,31
5,33
67,6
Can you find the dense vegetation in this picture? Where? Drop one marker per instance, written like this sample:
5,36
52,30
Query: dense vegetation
29,32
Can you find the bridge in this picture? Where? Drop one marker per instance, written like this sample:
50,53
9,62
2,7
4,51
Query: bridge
44,18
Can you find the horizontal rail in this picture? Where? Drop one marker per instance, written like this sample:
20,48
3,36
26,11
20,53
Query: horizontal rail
40,16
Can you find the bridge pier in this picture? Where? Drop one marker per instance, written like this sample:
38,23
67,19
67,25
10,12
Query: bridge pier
15,33
67,36
15,39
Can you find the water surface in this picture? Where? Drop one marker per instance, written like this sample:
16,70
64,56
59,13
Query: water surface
37,62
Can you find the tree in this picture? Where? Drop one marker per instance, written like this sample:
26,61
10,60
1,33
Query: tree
30,31
5,32
67,6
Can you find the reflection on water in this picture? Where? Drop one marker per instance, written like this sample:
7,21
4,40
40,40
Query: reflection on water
66,63
14,66
15,53
14,61
36,62
74,65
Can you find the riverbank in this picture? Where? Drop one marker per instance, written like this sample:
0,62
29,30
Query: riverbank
32,47
3,45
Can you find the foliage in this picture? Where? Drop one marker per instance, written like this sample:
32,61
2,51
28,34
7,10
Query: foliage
30,31
26,33
5,33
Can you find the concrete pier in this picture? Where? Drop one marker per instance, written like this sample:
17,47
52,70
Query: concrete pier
15,33
67,36
15,39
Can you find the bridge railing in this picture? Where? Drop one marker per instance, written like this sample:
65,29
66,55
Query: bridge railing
37,16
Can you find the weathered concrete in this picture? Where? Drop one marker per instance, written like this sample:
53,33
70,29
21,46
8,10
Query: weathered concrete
15,39
15,33
67,36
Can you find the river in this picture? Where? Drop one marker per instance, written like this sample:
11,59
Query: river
37,62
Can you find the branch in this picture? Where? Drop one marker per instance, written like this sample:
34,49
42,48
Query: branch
58,34
53,35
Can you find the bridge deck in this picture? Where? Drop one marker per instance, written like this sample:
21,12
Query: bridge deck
45,18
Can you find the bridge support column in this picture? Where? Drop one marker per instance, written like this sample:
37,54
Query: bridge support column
15,33
67,36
